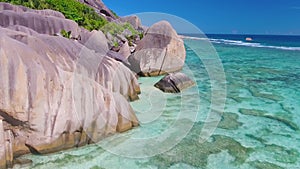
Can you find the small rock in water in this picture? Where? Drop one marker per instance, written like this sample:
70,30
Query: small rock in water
174,83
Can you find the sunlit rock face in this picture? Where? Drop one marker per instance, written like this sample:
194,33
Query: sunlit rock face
57,93
44,22
47,97
133,20
52,23
21,9
161,51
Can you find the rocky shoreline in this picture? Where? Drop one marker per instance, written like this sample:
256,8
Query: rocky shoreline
63,86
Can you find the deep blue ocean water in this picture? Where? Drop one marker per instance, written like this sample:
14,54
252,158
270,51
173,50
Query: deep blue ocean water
266,40
259,126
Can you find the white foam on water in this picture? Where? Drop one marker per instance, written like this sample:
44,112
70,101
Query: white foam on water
250,44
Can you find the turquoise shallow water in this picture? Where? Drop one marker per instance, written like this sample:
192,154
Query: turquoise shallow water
258,129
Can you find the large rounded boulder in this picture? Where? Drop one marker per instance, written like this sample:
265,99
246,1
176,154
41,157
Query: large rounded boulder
57,93
161,51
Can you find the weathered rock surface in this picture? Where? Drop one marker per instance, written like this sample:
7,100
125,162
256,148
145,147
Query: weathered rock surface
46,105
161,51
95,40
125,50
127,33
116,77
17,8
117,56
6,146
174,83
57,93
43,24
133,20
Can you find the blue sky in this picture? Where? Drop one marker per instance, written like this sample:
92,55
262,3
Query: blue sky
223,16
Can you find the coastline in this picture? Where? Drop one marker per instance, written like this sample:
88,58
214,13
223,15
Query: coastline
125,96
256,129
75,85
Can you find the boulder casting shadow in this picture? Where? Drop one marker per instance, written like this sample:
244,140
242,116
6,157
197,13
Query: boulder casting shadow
174,83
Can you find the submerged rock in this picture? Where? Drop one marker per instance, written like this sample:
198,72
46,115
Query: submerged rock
229,121
271,96
280,153
264,165
261,113
161,51
190,151
174,83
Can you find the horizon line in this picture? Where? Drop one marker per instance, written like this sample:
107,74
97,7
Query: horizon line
180,33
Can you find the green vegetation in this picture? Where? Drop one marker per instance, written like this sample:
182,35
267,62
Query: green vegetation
116,44
117,29
131,39
141,35
65,34
72,9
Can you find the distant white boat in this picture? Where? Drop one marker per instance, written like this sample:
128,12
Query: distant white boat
249,39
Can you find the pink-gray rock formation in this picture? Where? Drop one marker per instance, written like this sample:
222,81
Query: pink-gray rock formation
57,93
133,20
48,94
125,50
95,40
17,8
174,83
6,151
43,24
161,51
